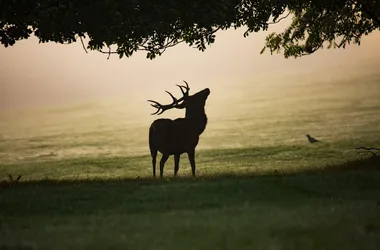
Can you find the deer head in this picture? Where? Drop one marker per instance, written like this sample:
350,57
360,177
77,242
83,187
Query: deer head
193,104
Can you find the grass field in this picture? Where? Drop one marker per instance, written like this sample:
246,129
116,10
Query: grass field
86,175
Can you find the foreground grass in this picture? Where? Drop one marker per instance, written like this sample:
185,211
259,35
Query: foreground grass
337,207
253,160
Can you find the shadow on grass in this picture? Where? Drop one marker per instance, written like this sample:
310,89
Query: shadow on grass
353,181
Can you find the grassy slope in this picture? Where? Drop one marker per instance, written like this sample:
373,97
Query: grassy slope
273,191
209,162
326,208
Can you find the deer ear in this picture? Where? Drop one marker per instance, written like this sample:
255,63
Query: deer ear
18,178
10,177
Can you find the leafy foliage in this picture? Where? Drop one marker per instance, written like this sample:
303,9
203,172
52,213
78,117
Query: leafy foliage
154,26
316,23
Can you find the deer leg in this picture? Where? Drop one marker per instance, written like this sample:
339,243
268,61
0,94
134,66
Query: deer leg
191,155
176,163
164,158
154,155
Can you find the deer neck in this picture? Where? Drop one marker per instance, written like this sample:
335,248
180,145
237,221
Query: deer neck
198,120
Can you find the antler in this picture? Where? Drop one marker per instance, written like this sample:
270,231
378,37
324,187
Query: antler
162,108
185,87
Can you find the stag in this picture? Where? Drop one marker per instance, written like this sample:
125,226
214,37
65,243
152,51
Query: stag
175,137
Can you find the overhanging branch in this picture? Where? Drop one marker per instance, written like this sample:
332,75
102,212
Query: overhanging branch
279,20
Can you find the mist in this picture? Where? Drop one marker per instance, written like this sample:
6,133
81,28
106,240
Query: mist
34,75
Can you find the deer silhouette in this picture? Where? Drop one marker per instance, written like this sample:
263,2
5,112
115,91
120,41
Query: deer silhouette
175,137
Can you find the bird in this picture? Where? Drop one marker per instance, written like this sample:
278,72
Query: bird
311,139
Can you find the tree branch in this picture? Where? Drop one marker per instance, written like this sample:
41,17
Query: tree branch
370,150
170,43
279,20
84,47
109,52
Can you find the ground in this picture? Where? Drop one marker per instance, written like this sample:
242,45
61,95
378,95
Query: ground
332,207
86,175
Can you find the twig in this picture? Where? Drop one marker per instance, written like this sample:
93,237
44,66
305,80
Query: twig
365,148
109,52
279,20
370,150
84,47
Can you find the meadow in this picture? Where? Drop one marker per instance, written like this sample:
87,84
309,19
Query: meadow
86,173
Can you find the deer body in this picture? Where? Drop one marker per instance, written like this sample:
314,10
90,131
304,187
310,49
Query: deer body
175,137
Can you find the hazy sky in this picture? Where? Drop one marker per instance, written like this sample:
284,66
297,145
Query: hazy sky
47,74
